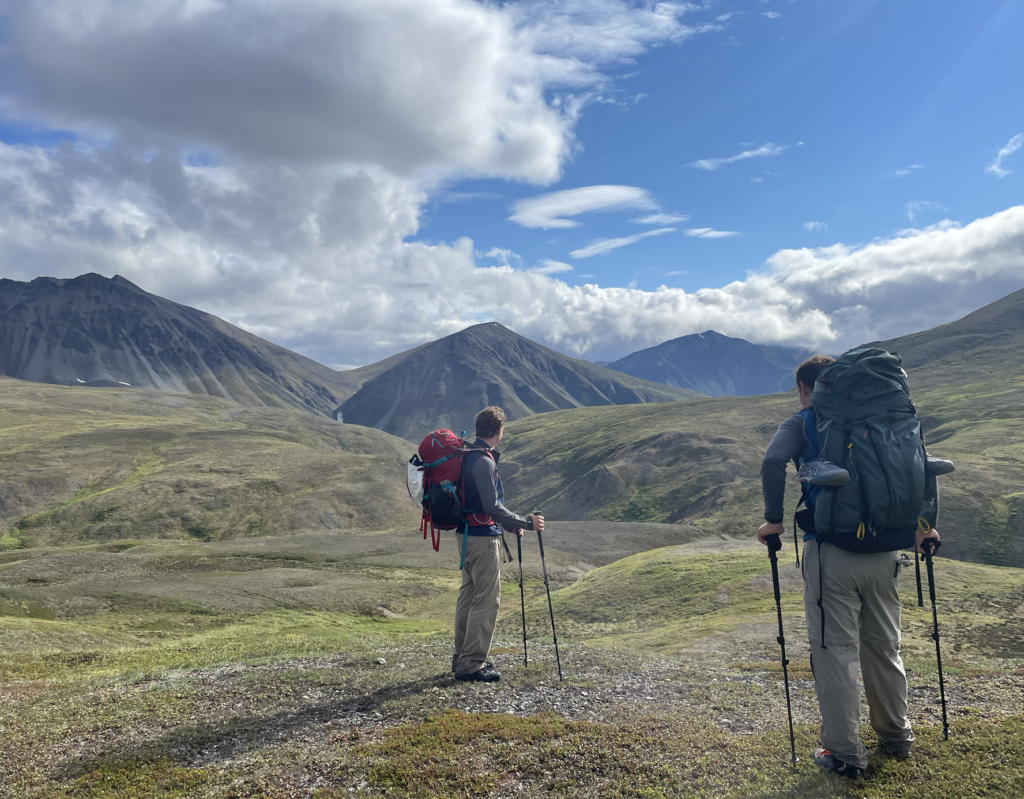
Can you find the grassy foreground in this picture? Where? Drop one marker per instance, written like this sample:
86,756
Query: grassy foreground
325,673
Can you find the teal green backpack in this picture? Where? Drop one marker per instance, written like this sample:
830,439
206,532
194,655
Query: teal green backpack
867,425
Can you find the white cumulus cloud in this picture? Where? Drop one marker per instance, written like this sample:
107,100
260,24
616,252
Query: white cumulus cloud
996,167
269,163
553,210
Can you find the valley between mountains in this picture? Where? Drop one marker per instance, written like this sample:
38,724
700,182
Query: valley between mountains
204,595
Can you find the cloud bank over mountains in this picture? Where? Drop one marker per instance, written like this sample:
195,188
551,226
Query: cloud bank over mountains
267,162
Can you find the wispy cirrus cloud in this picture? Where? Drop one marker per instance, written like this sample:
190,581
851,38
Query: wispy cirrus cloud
602,246
549,267
503,256
771,14
902,173
812,226
555,210
914,207
996,167
764,151
661,219
710,233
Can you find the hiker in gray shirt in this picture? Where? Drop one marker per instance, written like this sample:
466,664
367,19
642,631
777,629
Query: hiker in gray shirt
476,610
854,594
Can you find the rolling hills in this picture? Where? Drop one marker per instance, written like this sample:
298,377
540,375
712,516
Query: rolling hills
97,465
698,462
445,383
716,365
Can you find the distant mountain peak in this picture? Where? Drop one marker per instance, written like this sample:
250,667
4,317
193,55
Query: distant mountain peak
445,383
715,364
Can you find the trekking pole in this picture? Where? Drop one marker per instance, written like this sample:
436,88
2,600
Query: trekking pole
551,610
917,573
522,596
930,546
774,545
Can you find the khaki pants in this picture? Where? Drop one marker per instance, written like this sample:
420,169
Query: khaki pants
477,608
861,605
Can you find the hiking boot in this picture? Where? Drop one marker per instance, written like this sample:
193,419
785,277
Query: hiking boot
896,751
488,664
937,466
482,675
832,764
822,473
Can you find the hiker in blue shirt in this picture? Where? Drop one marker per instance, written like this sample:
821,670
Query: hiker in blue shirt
476,610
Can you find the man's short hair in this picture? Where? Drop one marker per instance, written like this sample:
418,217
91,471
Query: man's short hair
489,421
807,372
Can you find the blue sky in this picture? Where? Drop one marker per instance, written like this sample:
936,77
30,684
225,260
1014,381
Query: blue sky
872,89
357,178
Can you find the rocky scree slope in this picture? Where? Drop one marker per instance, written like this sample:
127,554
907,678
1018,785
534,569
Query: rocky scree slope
445,383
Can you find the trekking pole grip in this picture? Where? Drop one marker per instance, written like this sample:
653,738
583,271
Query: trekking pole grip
774,543
930,546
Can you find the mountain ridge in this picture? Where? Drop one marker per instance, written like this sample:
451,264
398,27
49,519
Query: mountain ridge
445,382
715,365
96,330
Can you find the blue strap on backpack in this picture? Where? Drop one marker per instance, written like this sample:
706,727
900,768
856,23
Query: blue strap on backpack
810,492
465,538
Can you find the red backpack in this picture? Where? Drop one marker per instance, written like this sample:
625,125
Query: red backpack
436,479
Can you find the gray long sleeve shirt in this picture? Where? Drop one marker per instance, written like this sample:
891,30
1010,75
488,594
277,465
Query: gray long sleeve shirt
788,444
486,494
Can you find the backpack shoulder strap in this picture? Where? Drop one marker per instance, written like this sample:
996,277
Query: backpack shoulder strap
810,433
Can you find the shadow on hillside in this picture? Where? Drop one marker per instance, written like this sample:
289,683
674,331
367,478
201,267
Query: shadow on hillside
199,744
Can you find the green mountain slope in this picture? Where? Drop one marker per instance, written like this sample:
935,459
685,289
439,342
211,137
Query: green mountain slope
695,462
81,464
699,461
445,383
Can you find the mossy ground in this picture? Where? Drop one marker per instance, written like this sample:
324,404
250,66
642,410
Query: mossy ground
672,683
